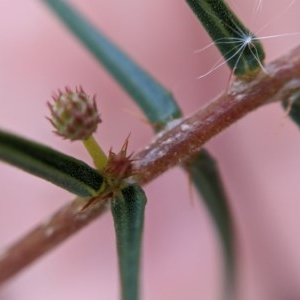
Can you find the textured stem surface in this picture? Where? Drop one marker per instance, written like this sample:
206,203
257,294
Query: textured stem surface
46,236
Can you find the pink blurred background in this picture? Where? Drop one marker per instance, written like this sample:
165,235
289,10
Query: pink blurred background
258,156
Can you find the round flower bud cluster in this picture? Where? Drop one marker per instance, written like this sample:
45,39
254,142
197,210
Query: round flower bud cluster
74,114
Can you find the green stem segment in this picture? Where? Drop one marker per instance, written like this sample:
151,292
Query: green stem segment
207,180
65,171
128,213
99,157
241,50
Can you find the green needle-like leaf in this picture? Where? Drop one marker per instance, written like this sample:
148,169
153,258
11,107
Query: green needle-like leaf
65,171
241,50
156,102
128,213
206,178
292,104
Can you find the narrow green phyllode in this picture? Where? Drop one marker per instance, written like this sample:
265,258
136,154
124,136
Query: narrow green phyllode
67,172
242,51
292,105
207,180
156,102
128,212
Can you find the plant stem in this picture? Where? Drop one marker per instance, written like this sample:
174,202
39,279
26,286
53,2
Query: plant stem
96,152
68,220
187,138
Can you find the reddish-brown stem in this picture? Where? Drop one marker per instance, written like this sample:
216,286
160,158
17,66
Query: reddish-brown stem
170,148
186,138
68,220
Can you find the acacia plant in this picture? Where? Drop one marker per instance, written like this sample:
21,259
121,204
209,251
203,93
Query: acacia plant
115,181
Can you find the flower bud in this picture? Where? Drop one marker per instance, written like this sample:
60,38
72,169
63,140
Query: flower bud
74,114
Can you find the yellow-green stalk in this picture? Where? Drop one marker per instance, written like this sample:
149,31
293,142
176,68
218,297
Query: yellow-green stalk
96,152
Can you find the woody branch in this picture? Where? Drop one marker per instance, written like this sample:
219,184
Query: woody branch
169,149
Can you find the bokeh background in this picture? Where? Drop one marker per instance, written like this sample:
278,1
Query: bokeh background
258,156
